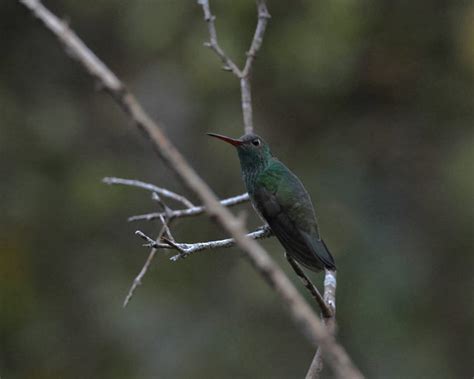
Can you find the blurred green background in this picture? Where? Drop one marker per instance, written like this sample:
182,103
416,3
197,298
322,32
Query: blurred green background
370,102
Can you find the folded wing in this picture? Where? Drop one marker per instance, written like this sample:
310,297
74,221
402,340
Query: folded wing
282,200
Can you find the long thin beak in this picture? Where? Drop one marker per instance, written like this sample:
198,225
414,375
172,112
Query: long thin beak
232,141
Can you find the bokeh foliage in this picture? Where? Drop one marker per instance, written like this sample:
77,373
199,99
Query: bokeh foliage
369,102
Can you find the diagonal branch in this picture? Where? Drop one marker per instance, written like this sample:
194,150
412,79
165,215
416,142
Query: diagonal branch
229,65
302,314
138,280
263,17
325,309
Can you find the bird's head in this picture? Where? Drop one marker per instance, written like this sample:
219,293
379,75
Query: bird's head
252,149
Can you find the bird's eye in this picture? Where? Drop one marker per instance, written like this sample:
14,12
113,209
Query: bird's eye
256,142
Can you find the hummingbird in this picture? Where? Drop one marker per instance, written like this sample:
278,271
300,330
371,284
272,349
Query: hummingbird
281,200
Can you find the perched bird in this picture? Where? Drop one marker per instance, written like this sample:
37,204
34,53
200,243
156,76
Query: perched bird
282,201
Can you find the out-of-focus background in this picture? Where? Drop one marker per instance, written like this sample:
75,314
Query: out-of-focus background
369,102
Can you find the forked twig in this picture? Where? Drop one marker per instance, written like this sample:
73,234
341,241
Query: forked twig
242,74
186,249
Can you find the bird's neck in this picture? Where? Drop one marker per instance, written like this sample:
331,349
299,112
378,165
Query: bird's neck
251,168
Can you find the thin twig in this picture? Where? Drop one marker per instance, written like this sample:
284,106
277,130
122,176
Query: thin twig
213,44
186,249
300,311
194,211
325,310
263,17
138,279
245,82
149,187
244,74
166,216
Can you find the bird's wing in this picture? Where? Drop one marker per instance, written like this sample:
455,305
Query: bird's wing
283,201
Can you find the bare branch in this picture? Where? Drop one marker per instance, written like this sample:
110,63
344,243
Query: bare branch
245,84
300,311
246,97
165,217
186,249
316,366
194,211
326,311
330,284
74,47
263,17
245,73
138,279
213,44
149,187
150,241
